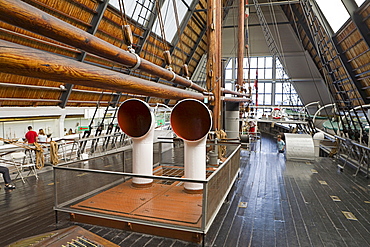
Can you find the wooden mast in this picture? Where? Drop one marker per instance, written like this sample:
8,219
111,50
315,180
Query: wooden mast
241,42
214,58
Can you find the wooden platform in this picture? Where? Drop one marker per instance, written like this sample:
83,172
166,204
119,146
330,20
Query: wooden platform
274,203
162,203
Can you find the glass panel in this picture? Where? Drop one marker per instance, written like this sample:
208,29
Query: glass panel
261,62
278,64
359,2
286,99
261,74
229,64
280,74
138,10
268,62
168,18
268,73
268,87
245,62
229,85
253,73
245,73
286,87
254,62
228,74
261,100
267,99
278,87
278,99
334,11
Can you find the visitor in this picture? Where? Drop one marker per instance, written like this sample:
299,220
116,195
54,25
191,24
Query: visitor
31,136
41,136
280,144
5,171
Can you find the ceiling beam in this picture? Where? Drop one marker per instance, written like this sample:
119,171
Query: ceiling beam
357,19
81,57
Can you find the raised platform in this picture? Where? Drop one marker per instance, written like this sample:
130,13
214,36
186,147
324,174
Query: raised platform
160,203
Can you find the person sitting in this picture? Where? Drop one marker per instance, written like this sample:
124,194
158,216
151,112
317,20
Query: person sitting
5,171
41,136
280,144
31,135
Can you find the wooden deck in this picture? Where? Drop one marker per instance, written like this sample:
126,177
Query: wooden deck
273,203
179,208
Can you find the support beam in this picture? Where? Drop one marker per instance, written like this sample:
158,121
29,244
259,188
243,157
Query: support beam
81,57
350,70
213,77
357,19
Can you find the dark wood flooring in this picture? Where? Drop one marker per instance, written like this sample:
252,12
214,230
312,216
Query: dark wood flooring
273,203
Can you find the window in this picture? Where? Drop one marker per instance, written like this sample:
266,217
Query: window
334,12
228,74
138,10
359,2
271,91
169,18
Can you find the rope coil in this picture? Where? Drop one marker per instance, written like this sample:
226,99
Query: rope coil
40,159
54,153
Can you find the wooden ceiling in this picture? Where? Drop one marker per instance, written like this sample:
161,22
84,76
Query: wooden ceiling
343,59
104,22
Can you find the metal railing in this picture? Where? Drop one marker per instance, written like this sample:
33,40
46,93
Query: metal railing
95,176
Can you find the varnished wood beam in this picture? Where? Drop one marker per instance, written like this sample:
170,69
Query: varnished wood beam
20,14
26,61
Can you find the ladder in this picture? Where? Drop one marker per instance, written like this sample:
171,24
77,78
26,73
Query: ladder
337,81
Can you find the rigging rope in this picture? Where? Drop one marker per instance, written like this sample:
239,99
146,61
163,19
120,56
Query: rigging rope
294,17
178,29
40,159
161,24
54,160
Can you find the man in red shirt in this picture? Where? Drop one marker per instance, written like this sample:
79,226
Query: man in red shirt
31,135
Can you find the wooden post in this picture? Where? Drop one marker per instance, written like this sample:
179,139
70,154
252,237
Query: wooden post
241,41
214,57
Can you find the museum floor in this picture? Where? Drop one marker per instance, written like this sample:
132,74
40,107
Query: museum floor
273,203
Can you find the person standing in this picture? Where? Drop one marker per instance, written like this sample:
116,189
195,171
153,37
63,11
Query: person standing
31,136
280,144
41,136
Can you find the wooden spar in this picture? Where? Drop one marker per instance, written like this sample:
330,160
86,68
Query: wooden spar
227,91
214,58
28,17
217,92
20,14
235,99
239,80
26,61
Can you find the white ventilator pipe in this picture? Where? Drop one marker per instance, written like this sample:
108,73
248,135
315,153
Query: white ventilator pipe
137,120
191,121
